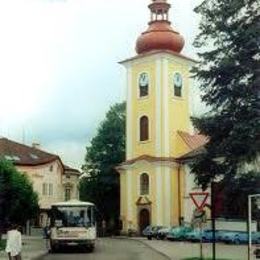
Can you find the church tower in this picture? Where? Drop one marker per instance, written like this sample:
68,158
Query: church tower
158,111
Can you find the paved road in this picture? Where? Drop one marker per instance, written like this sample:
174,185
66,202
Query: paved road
111,249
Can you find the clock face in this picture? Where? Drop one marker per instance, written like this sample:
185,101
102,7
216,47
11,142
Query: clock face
144,80
177,80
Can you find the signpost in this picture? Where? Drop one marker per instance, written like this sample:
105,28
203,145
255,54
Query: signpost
199,216
250,197
199,199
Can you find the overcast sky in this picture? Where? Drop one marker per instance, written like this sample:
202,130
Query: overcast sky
59,70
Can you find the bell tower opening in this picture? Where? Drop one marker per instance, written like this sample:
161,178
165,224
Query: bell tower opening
159,10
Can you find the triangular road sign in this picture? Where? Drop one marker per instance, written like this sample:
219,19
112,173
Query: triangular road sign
199,199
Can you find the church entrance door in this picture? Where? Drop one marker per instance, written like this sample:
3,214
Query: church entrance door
144,219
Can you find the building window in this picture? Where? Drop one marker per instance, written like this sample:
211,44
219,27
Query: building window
51,168
143,85
144,184
178,84
144,128
50,189
67,194
44,189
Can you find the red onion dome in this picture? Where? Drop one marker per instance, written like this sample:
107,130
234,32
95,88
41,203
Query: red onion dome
159,36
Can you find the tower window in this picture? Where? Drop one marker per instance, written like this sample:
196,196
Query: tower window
143,85
144,184
144,128
178,84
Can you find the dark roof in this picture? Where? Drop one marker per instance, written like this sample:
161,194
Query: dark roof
71,170
24,155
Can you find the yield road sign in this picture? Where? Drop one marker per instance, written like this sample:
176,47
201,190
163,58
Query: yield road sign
199,199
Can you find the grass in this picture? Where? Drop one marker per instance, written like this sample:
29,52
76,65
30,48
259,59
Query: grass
2,244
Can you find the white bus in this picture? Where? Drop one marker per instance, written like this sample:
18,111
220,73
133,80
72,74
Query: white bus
72,223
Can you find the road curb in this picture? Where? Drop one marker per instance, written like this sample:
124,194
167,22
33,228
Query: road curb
146,244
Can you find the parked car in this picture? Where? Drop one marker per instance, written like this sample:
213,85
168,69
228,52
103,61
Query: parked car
240,237
257,252
236,237
178,233
194,235
256,238
151,231
147,231
207,235
162,233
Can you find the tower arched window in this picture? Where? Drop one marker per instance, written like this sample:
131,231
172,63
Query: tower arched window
178,84
143,85
144,128
144,184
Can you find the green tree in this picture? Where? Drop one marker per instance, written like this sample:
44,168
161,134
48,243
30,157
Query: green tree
229,74
18,201
106,150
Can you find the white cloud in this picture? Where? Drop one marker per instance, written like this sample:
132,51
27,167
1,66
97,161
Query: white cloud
58,64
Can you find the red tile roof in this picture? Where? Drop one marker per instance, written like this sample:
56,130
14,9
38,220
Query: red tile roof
24,155
193,141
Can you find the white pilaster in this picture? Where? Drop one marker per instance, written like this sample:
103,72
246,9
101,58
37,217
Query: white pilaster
166,94
191,94
158,108
129,197
159,195
129,118
167,196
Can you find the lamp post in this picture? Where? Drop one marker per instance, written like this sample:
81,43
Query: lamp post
257,196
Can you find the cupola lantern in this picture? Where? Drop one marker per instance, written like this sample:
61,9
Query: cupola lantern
159,35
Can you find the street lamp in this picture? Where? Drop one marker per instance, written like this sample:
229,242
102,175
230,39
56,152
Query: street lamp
257,196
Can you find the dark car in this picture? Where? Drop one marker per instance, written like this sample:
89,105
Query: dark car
151,231
163,232
147,231
257,253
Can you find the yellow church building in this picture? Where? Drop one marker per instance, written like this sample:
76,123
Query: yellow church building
154,180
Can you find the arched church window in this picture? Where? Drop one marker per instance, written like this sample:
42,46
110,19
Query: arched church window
144,128
143,84
178,84
144,184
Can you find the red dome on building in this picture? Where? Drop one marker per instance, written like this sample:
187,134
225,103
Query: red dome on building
159,35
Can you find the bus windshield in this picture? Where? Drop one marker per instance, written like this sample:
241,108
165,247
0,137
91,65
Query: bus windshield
73,216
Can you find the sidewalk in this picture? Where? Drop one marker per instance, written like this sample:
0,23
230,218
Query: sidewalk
33,247
180,250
